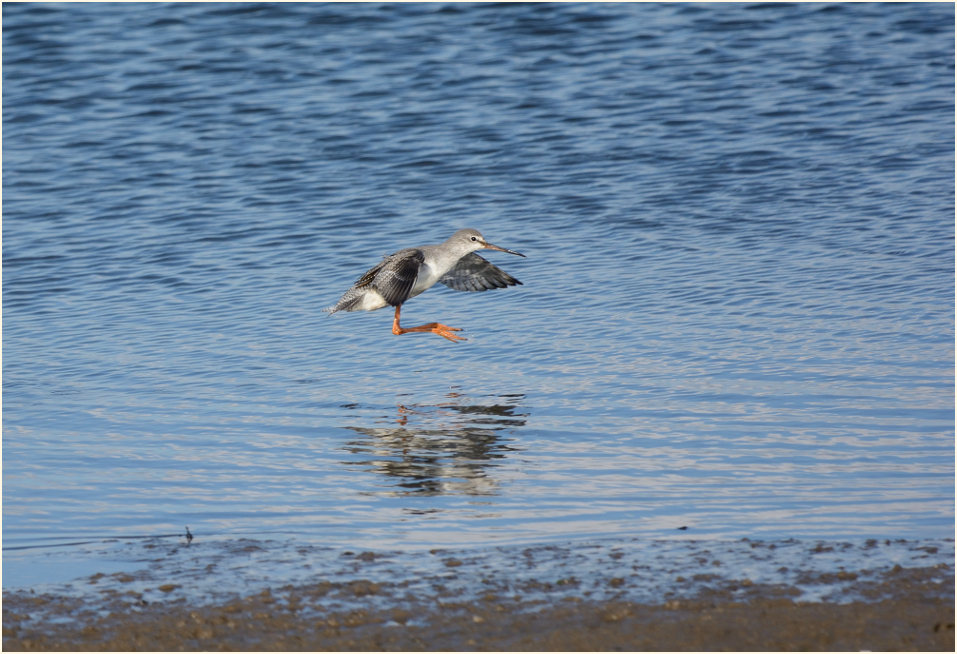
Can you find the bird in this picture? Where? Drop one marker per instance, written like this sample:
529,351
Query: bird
409,272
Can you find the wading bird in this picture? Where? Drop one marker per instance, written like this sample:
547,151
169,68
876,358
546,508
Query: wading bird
408,272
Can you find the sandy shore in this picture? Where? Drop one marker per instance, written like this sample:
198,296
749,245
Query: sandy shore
913,613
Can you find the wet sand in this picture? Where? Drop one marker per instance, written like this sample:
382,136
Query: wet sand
911,610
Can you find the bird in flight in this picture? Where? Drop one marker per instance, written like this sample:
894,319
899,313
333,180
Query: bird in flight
405,274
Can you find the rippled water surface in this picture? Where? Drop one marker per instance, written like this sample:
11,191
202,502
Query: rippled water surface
737,310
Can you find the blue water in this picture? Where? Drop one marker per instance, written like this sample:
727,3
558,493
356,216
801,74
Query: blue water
737,310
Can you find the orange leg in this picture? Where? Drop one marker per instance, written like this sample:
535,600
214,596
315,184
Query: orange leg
436,328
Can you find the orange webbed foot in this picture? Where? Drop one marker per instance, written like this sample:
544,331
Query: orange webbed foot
435,327
446,332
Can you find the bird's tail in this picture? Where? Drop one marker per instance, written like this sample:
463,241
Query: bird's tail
347,303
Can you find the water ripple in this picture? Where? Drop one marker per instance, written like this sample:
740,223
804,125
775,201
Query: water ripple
736,312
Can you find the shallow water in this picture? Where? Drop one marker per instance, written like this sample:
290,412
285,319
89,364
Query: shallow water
736,314
641,570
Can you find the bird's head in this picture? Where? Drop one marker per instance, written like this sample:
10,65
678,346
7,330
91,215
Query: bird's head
471,240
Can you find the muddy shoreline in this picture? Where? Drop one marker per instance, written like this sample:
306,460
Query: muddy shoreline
911,609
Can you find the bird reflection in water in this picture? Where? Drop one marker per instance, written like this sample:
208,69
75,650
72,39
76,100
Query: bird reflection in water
446,448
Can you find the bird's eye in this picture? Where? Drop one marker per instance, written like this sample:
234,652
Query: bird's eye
474,238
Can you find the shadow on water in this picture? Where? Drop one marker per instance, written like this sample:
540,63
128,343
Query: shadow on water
446,448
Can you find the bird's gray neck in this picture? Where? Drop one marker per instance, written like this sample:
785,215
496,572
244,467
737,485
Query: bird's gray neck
441,258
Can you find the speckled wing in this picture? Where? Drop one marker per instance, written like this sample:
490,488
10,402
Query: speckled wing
396,275
473,273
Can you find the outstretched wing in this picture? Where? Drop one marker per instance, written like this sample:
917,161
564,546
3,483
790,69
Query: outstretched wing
473,273
395,276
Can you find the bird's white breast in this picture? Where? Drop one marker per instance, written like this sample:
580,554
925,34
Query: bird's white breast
427,278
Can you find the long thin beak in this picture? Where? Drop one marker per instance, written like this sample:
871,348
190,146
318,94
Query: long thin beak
489,246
